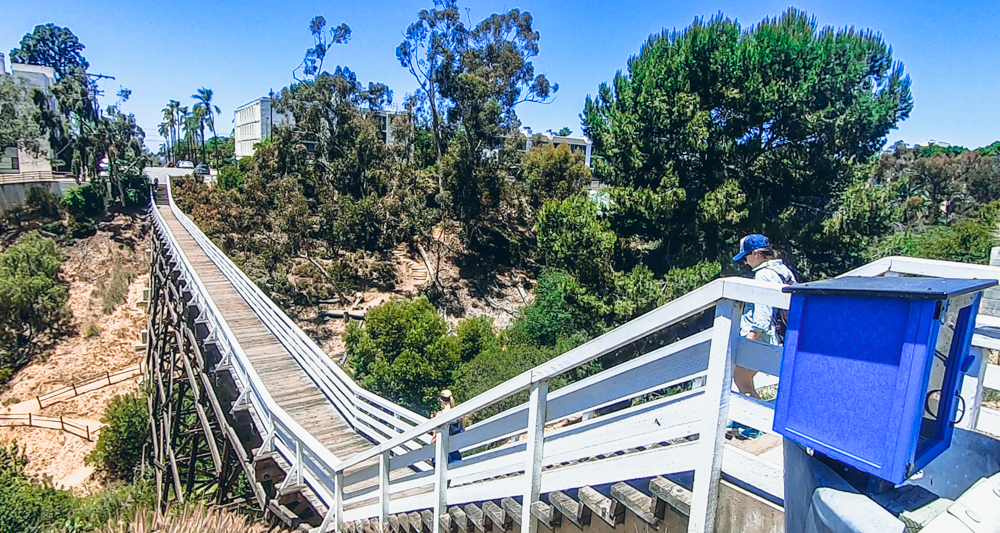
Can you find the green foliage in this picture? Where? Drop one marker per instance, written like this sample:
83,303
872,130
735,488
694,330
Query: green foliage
572,236
27,504
51,46
991,150
32,298
934,150
968,240
120,445
229,178
552,173
86,201
42,202
475,335
717,131
497,364
565,132
404,353
19,126
557,311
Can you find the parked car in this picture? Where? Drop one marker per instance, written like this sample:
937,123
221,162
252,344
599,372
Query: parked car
185,164
202,169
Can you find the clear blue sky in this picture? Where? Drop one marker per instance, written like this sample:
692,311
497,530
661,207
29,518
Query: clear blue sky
164,50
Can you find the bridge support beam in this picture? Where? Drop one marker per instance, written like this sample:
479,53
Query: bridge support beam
188,423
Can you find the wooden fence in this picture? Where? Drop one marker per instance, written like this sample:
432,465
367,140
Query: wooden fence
46,422
76,389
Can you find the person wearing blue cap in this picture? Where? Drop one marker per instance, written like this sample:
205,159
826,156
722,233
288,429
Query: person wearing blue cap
758,321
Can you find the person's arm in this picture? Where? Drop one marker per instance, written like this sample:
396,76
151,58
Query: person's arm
760,316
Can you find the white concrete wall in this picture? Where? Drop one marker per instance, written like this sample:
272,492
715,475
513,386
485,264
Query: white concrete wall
12,194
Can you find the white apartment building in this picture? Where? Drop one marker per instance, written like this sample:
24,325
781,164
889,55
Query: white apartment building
252,123
576,144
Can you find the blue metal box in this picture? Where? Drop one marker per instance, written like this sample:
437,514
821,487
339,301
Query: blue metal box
872,368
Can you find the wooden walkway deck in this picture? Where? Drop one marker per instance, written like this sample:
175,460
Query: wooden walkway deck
287,382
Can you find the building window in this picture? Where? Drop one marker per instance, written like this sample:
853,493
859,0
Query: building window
9,163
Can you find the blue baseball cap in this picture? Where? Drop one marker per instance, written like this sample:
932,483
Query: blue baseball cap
750,243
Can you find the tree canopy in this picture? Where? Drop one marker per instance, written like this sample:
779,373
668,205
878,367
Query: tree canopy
717,131
404,353
51,46
19,126
32,297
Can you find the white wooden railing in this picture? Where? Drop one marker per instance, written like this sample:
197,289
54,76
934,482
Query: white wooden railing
510,454
310,461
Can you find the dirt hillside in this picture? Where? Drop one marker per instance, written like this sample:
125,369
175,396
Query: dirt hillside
106,274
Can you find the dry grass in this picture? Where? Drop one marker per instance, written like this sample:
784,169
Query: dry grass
112,289
191,520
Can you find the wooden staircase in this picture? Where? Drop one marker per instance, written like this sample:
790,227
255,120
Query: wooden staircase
659,504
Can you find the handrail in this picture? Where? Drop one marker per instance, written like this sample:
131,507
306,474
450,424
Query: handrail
701,299
335,381
486,474
271,415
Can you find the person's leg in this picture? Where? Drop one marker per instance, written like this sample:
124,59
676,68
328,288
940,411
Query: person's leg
743,377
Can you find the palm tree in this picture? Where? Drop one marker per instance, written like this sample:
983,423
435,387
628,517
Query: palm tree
165,131
204,98
166,128
199,118
172,120
190,125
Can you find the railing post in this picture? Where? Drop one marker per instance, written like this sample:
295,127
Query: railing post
537,404
440,477
273,433
383,486
338,501
298,462
712,434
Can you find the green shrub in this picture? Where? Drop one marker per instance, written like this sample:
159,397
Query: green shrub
572,236
404,353
26,503
967,240
556,312
119,448
32,298
229,178
81,227
42,201
86,201
474,336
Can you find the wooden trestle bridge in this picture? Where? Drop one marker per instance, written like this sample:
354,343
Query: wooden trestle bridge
236,387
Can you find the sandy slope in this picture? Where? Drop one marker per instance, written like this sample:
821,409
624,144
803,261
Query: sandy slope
75,357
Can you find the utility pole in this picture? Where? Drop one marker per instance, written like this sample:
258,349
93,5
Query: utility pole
270,108
94,93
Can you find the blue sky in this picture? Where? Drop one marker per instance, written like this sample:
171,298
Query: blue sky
164,50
